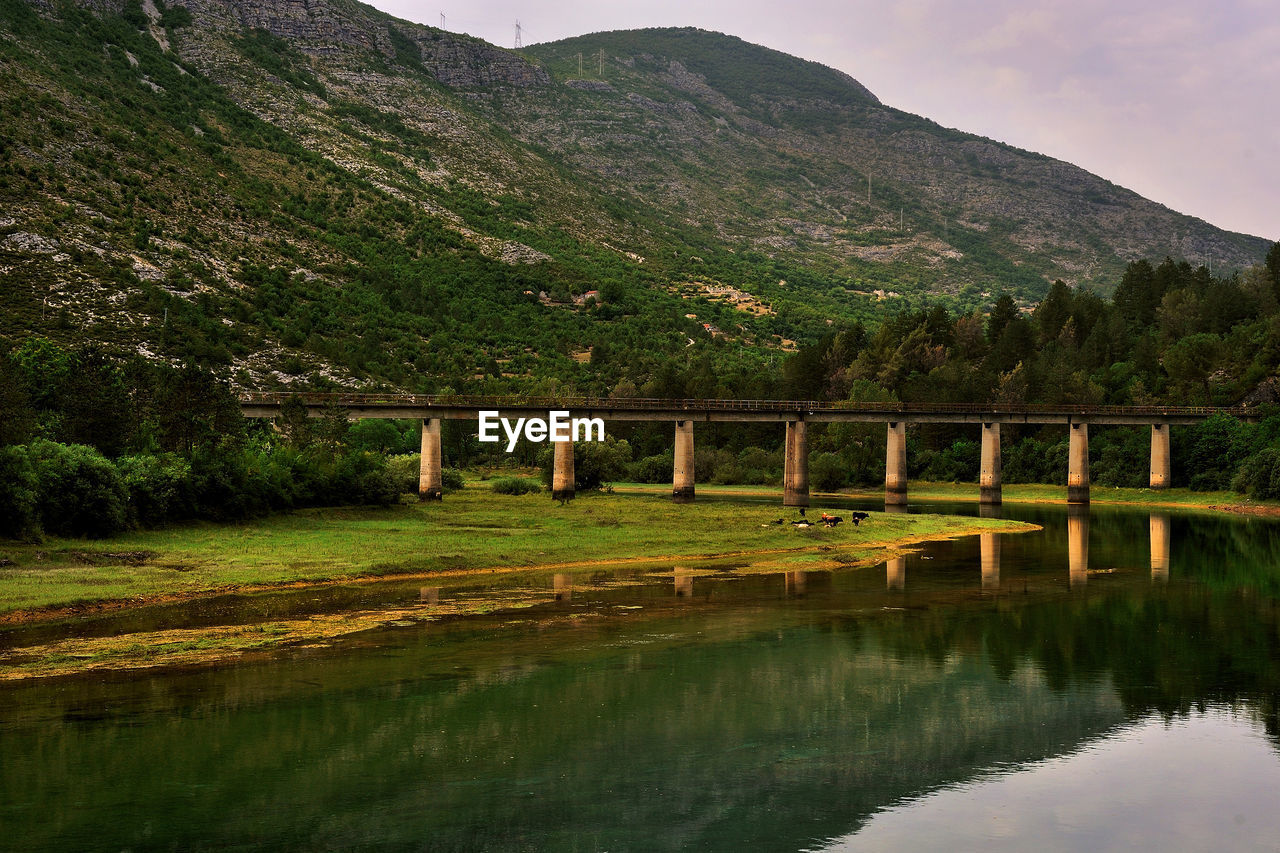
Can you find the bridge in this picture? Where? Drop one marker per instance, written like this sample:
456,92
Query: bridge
795,415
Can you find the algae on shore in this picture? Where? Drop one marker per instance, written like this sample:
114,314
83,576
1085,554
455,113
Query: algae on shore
469,540
471,531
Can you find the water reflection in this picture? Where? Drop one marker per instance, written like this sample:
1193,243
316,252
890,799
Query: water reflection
1224,795
429,595
989,556
562,586
739,720
896,508
1161,537
1078,543
896,573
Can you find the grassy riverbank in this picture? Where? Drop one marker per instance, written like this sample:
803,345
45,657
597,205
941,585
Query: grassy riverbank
1019,493
472,531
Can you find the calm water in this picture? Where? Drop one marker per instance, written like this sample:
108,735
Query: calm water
1110,683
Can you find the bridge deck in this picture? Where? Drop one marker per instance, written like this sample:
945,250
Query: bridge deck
465,407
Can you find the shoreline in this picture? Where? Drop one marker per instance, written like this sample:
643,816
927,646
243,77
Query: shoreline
222,644
887,546
1022,493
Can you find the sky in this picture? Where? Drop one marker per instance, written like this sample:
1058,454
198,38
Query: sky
1175,99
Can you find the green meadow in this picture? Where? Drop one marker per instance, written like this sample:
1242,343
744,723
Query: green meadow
473,530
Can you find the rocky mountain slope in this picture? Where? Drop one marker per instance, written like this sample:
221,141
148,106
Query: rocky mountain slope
314,191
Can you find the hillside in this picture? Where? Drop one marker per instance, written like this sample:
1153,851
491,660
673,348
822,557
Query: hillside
321,193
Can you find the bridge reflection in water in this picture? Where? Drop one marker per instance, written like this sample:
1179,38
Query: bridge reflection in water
796,415
1078,568
749,717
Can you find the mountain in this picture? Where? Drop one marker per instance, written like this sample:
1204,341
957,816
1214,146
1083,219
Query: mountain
314,191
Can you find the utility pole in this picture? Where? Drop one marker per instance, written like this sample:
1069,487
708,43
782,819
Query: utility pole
601,56
868,189
579,64
442,20
518,34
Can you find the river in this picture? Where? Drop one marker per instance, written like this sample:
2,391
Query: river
1108,683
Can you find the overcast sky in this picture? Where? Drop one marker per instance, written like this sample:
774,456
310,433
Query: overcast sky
1176,99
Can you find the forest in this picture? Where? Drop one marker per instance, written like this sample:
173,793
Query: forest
93,443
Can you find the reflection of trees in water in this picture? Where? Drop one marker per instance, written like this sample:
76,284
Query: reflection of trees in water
636,736
707,725
1165,650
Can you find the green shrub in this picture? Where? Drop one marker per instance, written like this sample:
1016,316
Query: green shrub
828,472
159,487
652,469
404,471
451,479
19,494
81,492
758,467
362,478
515,486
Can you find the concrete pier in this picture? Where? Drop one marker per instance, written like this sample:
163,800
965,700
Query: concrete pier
682,475
795,477
895,465
1077,545
1078,465
1160,467
895,573
1160,538
989,471
989,551
430,479
562,471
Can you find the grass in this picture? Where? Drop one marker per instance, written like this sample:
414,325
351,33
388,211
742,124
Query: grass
471,531
1017,493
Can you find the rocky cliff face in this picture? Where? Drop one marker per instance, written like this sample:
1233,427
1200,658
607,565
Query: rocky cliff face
338,31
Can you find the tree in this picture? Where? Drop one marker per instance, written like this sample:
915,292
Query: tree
1273,267
1192,359
17,418
1136,296
1003,312
1054,310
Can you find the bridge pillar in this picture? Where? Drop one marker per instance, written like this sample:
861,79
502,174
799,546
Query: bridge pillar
989,474
430,480
1160,456
795,477
895,465
562,483
682,476
1078,465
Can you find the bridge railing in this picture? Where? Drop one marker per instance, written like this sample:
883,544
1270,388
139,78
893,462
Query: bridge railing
343,400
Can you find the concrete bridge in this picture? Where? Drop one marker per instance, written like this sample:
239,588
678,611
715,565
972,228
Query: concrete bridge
796,415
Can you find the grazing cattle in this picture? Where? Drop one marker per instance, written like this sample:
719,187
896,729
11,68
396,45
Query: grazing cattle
855,517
